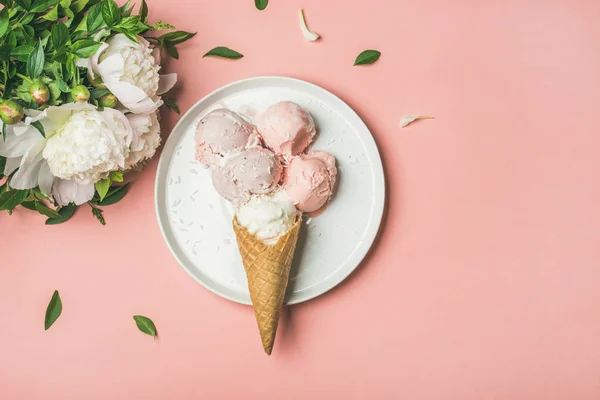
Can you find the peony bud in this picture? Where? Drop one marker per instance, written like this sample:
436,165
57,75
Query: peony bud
39,92
108,100
11,112
80,94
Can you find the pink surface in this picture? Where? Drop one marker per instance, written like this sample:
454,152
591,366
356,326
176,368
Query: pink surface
485,282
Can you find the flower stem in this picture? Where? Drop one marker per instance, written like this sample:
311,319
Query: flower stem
25,78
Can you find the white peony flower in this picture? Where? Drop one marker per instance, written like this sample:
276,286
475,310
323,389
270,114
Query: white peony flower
89,146
81,144
130,71
145,139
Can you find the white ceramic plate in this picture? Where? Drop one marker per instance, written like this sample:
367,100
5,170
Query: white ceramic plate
196,222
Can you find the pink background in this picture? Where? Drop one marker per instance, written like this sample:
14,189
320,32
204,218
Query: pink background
485,282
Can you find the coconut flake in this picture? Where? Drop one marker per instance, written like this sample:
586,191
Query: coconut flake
306,32
409,119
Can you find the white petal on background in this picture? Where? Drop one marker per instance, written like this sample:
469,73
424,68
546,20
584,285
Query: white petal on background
409,119
12,164
17,146
166,83
27,176
306,31
46,179
66,192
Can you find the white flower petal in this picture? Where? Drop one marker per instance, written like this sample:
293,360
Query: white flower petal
66,192
46,179
166,83
17,146
27,176
12,164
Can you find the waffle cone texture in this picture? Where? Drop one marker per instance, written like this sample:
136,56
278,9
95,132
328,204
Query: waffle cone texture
268,271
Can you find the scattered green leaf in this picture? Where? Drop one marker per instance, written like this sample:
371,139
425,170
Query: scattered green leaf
367,57
170,104
224,52
35,63
65,212
261,4
145,325
176,37
53,310
96,212
114,195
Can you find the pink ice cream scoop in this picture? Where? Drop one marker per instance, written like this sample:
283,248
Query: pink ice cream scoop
254,171
220,133
310,179
286,128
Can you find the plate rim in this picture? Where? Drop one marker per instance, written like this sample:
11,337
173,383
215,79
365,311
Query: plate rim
378,174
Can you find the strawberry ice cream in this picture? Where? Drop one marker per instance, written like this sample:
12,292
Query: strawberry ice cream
222,133
254,171
310,179
286,128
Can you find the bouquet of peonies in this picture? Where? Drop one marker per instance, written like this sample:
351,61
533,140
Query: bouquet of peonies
81,90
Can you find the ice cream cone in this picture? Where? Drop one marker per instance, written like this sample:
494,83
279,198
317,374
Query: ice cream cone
268,270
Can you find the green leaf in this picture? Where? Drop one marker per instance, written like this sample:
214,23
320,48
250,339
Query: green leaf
26,4
85,48
126,9
30,205
4,20
176,37
42,5
60,36
55,93
78,6
97,93
114,195
170,104
53,311
38,125
96,212
172,50
62,86
160,25
5,52
145,325
94,18
52,15
65,212
102,187
367,57
128,23
35,63
116,176
143,11
12,198
22,53
12,39
261,4
224,52
47,211
2,166
110,12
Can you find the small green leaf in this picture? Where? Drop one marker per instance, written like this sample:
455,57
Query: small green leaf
52,15
224,52
170,104
47,211
4,20
12,198
111,13
172,50
65,212
2,166
85,48
60,36
22,53
94,20
114,195
143,11
176,37
53,311
367,57
97,93
38,125
160,25
145,325
62,86
102,187
26,4
5,52
30,205
35,63
116,176
96,212
261,4
42,5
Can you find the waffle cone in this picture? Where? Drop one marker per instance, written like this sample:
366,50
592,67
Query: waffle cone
268,270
